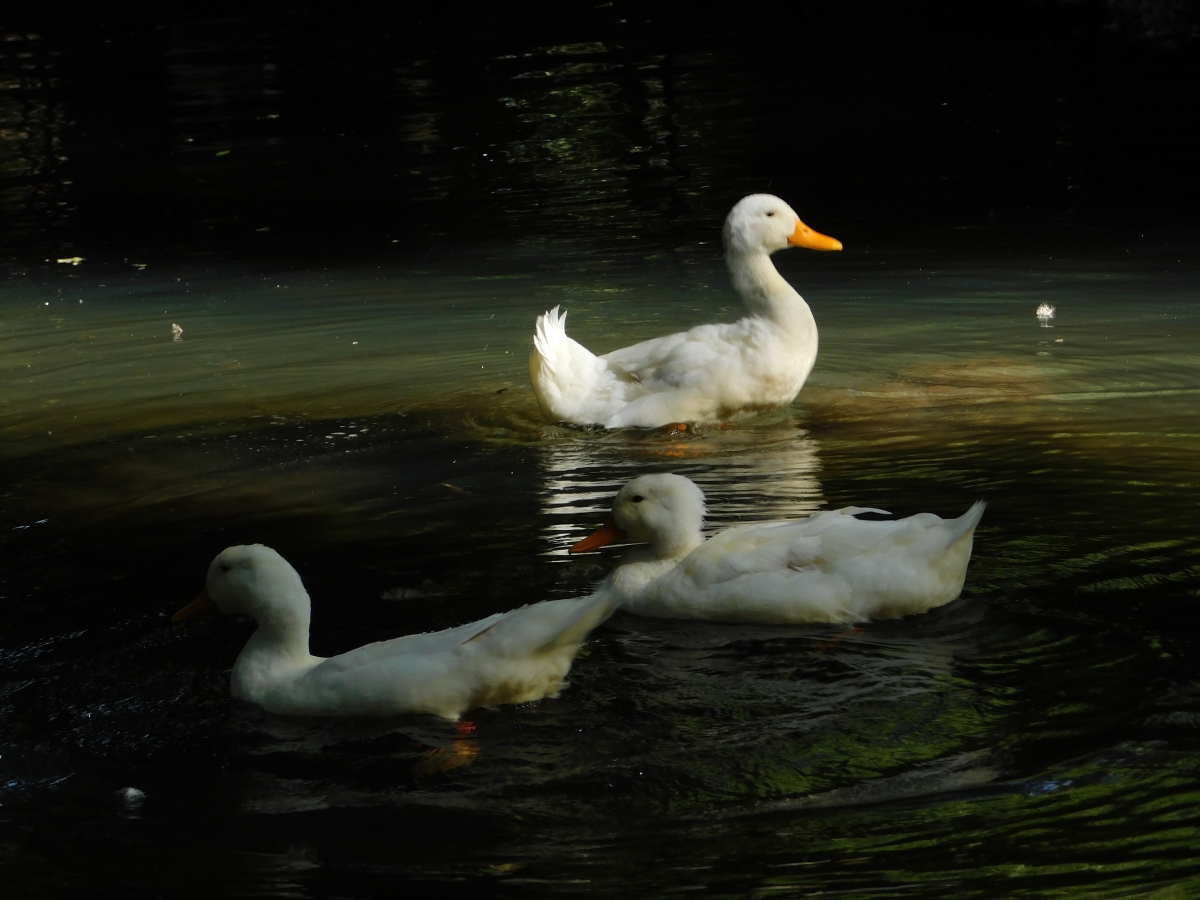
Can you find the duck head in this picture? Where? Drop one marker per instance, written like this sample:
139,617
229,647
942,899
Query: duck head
255,581
762,223
664,511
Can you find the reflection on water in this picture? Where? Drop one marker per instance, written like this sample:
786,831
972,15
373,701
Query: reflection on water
32,122
412,482
768,471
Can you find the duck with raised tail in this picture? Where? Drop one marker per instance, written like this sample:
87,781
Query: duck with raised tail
512,657
830,567
711,373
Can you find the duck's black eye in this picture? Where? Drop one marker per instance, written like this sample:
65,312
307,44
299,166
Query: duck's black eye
771,213
638,498
224,568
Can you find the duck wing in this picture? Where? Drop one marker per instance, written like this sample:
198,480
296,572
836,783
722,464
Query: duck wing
512,657
705,374
411,645
831,567
694,358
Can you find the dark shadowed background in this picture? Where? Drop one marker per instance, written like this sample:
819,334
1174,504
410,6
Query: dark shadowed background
337,129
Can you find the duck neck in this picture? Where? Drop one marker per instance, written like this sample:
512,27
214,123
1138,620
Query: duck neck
283,629
765,292
677,544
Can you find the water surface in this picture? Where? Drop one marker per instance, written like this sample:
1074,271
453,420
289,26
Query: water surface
375,424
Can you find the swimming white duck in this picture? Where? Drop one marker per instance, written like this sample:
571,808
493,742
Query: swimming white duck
512,657
710,373
830,567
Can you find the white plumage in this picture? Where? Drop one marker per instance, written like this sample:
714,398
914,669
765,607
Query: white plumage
830,567
706,374
512,657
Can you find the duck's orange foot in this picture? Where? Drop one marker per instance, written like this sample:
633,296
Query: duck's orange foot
825,646
461,752
443,759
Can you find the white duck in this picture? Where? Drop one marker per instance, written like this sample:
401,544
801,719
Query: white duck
830,567
710,373
512,657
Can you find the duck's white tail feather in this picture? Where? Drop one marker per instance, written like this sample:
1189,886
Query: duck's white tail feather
550,339
589,613
526,654
957,529
547,627
570,382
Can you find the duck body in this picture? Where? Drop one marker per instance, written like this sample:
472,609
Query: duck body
709,373
830,567
513,657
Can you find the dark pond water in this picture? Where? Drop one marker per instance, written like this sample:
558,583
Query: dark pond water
363,406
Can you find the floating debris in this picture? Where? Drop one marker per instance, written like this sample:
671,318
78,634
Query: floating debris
73,260
427,590
131,797
1044,314
503,868
176,332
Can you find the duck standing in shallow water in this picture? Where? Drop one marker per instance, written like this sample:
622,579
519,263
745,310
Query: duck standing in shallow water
710,373
830,567
512,657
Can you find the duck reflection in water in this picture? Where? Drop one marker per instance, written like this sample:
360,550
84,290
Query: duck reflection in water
762,469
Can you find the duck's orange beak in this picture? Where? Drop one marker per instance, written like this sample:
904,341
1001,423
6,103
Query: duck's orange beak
608,533
804,236
201,604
